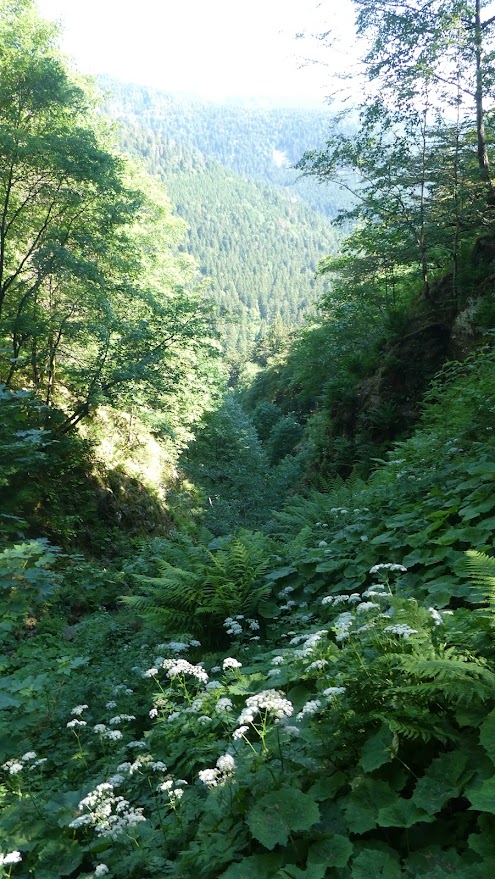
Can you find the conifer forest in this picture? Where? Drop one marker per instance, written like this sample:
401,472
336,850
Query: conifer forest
247,467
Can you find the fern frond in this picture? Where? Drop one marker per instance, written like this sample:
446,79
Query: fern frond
453,677
481,569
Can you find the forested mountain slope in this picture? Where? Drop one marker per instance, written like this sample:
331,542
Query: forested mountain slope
254,140
259,245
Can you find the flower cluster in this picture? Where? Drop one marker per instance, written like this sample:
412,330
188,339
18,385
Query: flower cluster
177,667
10,858
235,625
225,768
341,599
174,790
311,707
121,718
78,710
401,629
16,765
108,814
342,626
230,662
271,702
388,566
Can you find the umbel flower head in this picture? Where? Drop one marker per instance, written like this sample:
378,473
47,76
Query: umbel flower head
272,702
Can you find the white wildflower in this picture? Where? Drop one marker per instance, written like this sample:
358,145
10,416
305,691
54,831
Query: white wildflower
331,692
378,590
10,858
111,704
401,629
436,616
28,756
240,732
117,779
226,763
177,646
317,665
343,625
311,707
230,662
224,704
101,870
177,667
209,777
153,713
272,702
150,673
365,606
79,709
120,718
214,685
387,566
278,660
13,767
73,723
112,734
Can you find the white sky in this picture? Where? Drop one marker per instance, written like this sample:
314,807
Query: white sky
216,48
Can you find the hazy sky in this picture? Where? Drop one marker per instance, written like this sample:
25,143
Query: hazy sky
216,48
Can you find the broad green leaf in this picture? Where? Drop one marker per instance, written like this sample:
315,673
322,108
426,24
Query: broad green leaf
483,844
483,798
334,852
372,864
59,858
261,866
279,813
290,871
280,573
362,805
377,750
327,786
436,862
402,813
440,783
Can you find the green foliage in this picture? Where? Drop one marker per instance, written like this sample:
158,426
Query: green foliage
284,436
223,582
338,718
27,583
227,461
95,300
277,814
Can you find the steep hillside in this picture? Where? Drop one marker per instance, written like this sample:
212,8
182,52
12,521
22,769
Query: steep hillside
258,244
254,140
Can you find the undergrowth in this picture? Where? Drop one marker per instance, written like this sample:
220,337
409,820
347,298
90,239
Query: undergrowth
316,702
